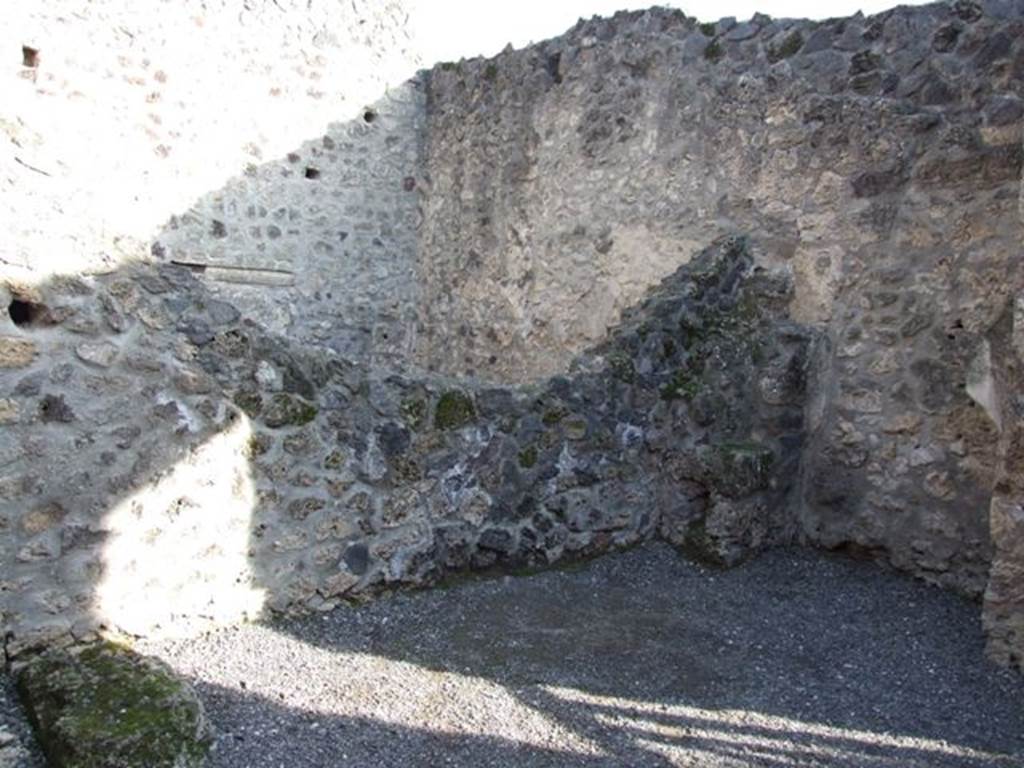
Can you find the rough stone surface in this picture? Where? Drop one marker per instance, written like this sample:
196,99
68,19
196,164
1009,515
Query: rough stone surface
18,747
330,483
1004,597
103,706
232,374
119,144
880,167
15,352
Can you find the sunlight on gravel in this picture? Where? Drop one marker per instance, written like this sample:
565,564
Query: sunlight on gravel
666,729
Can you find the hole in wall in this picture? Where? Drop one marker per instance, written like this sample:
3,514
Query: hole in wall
369,116
29,56
27,314
312,173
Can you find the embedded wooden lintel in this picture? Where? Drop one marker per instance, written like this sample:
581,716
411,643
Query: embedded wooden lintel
232,273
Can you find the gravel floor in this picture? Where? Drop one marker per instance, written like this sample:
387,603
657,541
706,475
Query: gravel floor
637,659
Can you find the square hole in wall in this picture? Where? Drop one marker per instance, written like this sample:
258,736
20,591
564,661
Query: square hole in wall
312,173
29,56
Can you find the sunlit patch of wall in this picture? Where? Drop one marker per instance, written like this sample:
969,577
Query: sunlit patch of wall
176,559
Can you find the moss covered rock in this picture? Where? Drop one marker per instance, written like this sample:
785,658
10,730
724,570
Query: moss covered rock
454,409
736,469
104,706
250,402
285,410
528,457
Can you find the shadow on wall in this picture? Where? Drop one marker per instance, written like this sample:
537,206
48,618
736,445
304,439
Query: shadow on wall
173,465
321,244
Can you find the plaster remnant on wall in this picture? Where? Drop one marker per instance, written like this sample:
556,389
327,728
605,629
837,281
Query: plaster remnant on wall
981,383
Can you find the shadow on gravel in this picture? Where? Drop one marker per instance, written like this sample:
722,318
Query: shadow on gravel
796,659
327,742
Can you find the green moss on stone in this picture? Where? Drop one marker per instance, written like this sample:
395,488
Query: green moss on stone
553,416
454,409
106,707
699,546
285,410
528,457
689,334
576,428
789,47
335,460
681,385
250,402
491,72
257,445
707,28
758,352
622,367
713,52
740,467
406,470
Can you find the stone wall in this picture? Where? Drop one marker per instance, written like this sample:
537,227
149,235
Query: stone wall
160,480
568,177
996,382
877,159
259,140
312,328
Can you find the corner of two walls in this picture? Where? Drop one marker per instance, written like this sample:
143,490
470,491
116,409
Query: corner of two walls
877,159
504,220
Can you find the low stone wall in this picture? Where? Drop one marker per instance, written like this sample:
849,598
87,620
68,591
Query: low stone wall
173,465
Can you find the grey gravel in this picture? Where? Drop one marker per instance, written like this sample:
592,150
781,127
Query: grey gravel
637,659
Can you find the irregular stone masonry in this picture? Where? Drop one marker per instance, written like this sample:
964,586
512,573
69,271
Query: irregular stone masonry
261,143
239,419
688,421
877,159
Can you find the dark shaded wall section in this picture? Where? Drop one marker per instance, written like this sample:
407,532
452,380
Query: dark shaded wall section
182,466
